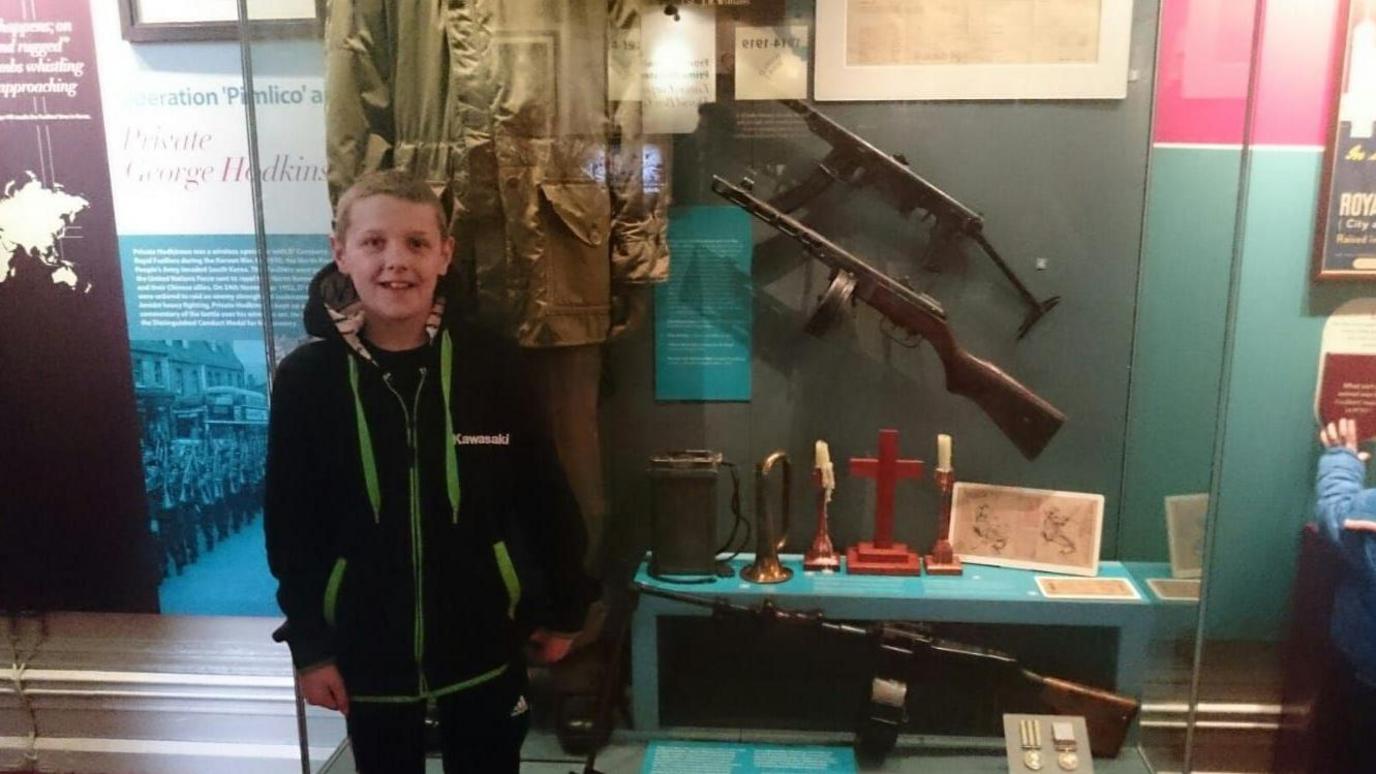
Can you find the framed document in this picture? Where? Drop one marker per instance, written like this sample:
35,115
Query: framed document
1032,529
877,50
1185,533
1345,235
155,21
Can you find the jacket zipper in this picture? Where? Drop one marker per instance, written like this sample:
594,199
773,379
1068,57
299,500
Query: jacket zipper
417,549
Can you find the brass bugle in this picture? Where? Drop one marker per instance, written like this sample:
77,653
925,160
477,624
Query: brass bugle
770,536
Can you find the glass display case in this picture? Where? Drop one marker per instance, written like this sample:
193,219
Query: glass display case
1007,304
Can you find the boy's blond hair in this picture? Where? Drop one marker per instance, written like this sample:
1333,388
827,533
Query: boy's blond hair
387,182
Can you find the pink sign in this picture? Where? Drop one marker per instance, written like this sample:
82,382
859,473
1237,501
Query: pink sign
1205,61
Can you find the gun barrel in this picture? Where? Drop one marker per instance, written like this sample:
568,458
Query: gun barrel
878,164
824,249
767,611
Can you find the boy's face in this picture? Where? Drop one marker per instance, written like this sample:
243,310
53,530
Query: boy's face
395,254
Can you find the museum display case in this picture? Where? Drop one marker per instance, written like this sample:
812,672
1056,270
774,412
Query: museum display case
930,376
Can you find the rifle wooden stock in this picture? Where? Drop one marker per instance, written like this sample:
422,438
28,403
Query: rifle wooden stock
1108,715
1024,417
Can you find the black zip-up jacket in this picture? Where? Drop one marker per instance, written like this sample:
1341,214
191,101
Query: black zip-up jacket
408,595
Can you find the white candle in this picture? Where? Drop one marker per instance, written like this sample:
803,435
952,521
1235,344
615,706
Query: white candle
943,452
824,466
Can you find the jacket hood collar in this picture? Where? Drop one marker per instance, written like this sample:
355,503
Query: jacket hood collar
333,310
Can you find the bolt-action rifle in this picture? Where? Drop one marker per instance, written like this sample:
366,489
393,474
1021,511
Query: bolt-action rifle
854,161
1025,418
901,646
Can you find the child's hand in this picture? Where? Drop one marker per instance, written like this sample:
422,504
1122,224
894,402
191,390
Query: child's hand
323,686
1359,525
1342,433
548,647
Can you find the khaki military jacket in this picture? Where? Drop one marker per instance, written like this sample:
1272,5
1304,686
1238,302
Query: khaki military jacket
559,200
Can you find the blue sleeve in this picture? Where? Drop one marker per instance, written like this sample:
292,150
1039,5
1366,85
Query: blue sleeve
1339,496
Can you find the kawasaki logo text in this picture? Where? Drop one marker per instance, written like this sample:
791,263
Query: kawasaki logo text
501,439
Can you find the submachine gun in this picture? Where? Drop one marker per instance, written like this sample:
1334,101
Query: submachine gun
902,648
854,161
1024,417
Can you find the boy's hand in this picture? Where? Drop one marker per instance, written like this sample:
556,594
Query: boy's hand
1342,433
1359,525
323,686
548,647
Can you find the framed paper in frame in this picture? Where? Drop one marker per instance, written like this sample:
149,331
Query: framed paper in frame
1185,533
160,21
876,50
1344,242
1030,529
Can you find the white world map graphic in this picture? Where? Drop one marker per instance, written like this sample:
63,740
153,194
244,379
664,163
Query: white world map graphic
33,219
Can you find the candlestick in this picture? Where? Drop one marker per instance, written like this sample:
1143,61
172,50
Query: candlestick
942,560
822,555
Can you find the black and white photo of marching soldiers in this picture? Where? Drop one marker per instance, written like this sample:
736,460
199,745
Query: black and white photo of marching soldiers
204,422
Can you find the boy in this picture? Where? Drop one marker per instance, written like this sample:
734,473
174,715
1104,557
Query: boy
1346,516
413,504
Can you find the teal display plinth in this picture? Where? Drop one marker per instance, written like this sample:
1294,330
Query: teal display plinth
992,595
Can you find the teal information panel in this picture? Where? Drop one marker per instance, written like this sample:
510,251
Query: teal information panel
727,758
703,313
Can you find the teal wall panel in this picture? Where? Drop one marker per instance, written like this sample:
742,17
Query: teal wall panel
1178,345
1269,448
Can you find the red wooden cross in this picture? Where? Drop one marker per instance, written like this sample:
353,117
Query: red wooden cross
886,470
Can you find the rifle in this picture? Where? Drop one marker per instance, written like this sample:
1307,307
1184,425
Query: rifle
853,160
1107,715
1025,418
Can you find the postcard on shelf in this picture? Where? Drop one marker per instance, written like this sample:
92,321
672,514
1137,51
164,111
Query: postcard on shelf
1175,589
1087,588
1031,529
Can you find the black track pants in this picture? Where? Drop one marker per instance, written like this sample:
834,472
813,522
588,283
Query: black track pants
481,730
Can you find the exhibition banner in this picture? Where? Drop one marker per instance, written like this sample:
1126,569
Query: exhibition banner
193,286
74,533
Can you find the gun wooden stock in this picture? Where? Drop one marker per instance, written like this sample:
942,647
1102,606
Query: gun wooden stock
1107,715
1024,417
